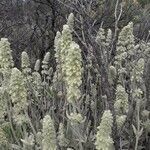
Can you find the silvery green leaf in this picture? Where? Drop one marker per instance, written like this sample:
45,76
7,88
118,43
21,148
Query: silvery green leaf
134,129
140,132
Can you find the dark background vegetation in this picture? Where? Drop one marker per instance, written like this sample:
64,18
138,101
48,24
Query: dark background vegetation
31,25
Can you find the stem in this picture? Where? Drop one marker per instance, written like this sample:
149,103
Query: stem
136,144
80,145
138,126
32,127
11,124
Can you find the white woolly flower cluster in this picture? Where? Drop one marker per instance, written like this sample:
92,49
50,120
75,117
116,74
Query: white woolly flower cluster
3,102
112,74
37,79
121,104
45,64
137,80
100,38
65,42
137,93
71,64
37,83
75,118
49,134
6,61
57,47
70,21
18,93
125,45
25,63
6,64
120,120
58,72
37,65
108,37
103,136
73,72
138,70
63,142
45,69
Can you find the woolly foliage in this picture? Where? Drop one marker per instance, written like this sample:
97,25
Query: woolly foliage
61,136
46,59
6,61
103,136
70,21
73,67
45,63
18,94
49,134
58,72
25,63
3,102
120,120
49,73
37,65
112,74
121,104
125,45
100,38
138,70
57,46
37,82
108,37
137,93
65,42
75,118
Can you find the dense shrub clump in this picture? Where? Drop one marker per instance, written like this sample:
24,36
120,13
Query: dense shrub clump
87,101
